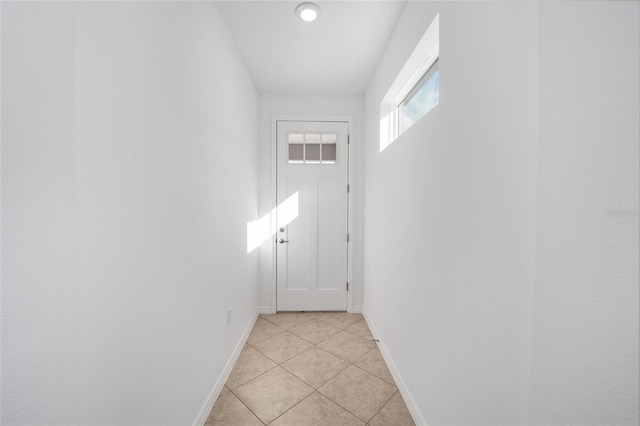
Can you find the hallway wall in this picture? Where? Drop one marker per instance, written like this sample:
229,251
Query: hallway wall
39,362
585,336
271,105
450,212
503,227
129,172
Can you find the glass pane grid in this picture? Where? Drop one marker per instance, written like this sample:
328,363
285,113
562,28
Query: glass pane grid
312,148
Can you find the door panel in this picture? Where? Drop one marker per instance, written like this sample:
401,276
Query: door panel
329,189
312,161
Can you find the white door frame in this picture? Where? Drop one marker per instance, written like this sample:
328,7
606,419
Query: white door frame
274,182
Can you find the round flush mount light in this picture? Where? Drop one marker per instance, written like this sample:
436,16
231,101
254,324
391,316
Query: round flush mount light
308,12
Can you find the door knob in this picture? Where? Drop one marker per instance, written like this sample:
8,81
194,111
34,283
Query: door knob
282,241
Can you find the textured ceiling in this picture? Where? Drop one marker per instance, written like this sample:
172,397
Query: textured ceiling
336,54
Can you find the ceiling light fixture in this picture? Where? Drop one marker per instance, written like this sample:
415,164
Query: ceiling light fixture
308,12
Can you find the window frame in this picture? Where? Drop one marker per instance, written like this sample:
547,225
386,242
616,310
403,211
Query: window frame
321,145
421,60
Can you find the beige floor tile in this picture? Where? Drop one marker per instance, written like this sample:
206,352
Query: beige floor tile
340,319
315,366
229,411
259,391
314,331
250,364
317,410
359,392
282,346
347,346
314,314
262,330
394,412
273,393
287,320
373,362
360,329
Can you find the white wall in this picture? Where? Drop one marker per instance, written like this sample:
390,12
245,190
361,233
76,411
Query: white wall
129,172
271,105
585,346
450,210
39,324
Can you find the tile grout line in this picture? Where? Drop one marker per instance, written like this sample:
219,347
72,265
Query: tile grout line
252,379
338,403
372,373
381,407
315,344
278,363
242,402
292,407
262,374
385,404
309,384
268,337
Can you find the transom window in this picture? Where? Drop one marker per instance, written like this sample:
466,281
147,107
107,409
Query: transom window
421,99
312,148
416,89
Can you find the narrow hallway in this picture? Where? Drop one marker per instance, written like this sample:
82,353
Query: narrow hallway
170,170
313,368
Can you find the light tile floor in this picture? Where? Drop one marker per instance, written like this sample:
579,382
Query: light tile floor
310,368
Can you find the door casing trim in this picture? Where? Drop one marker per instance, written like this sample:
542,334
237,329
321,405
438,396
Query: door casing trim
273,293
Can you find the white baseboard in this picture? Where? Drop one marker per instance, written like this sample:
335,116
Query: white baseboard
266,310
356,309
217,387
418,418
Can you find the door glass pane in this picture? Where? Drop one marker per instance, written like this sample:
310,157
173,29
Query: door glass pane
312,152
331,138
311,138
329,153
296,153
329,148
296,138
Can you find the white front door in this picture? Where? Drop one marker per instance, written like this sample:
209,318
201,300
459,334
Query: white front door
312,168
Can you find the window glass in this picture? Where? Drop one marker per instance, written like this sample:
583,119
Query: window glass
421,99
296,153
312,152
311,138
312,148
330,138
329,153
296,138
415,90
